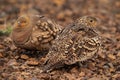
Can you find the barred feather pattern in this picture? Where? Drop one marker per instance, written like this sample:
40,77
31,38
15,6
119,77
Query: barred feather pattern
75,43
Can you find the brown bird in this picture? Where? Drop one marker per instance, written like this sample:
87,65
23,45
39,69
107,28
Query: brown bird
76,42
34,32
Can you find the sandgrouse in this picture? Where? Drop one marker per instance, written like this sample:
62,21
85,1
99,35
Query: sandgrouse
77,42
34,32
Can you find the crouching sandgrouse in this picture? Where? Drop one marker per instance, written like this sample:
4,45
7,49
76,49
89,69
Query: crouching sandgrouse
77,42
34,32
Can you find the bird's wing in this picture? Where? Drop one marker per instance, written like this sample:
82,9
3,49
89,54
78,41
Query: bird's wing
85,45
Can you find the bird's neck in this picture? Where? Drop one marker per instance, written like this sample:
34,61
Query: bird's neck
21,35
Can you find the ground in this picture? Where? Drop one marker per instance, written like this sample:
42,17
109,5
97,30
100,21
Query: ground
18,64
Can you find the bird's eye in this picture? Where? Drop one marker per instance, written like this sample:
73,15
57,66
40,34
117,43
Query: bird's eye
91,20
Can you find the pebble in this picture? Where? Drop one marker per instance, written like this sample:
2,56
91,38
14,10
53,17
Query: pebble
111,56
118,54
1,46
82,74
32,62
1,55
12,62
23,56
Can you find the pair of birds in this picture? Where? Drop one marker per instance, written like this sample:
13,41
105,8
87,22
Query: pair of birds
75,43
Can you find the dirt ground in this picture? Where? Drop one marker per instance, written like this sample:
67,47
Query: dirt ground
19,64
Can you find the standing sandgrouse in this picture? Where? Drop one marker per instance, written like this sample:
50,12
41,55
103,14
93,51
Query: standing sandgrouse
34,32
75,43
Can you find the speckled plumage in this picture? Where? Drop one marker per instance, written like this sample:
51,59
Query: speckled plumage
34,32
76,42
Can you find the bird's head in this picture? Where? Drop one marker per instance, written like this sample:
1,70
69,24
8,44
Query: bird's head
88,21
22,22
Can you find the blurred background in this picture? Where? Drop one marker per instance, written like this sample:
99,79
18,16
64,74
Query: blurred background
62,11
106,65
